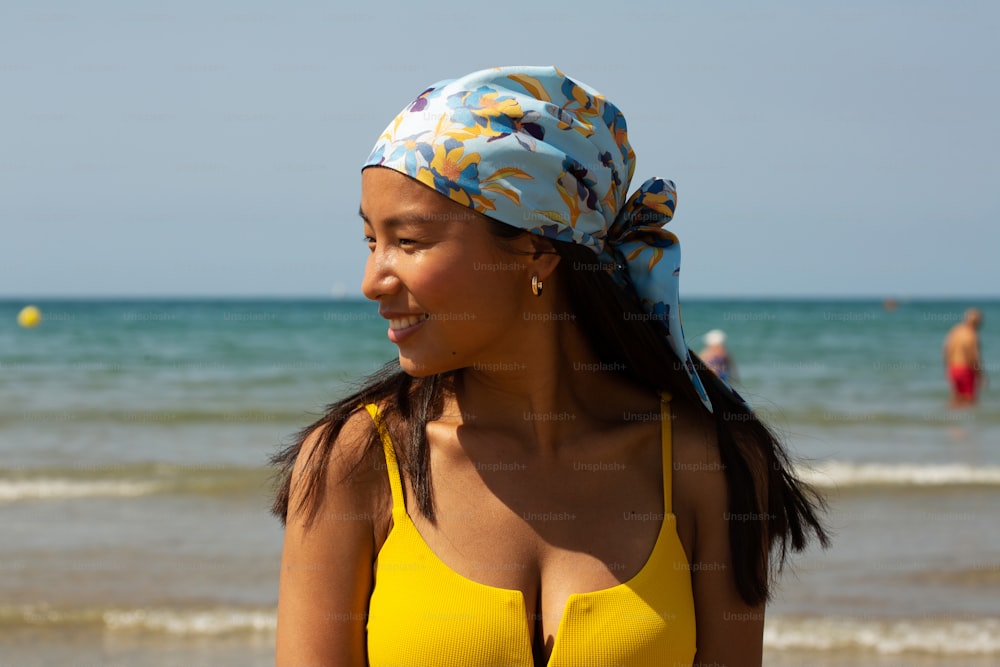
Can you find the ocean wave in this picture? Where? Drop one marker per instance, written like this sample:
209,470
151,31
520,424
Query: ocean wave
202,622
140,479
43,489
913,416
143,479
943,636
191,622
846,474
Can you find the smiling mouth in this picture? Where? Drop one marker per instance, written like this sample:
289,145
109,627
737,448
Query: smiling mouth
407,322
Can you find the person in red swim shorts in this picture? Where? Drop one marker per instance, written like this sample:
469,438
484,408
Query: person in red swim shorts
962,362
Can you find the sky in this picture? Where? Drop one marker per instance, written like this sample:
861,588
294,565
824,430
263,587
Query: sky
199,148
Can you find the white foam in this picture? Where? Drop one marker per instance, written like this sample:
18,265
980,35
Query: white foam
209,622
43,489
836,474
928,635
972,636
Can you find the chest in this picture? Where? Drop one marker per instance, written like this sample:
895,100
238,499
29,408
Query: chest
422,611
542,558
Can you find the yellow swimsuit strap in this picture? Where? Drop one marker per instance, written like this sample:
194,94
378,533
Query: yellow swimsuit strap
395,482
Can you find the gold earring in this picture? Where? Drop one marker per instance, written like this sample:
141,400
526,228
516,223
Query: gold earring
536,286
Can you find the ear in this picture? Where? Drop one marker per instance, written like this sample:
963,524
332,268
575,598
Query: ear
544,259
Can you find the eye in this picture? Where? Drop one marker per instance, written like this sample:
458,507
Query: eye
407,242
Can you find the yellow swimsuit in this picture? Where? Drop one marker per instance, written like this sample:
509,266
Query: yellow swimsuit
424,614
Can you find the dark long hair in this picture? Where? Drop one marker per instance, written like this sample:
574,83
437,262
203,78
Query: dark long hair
758,471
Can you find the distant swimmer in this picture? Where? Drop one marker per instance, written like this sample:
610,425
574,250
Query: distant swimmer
963,365
716,356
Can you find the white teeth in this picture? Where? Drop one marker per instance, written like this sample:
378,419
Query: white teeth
404,322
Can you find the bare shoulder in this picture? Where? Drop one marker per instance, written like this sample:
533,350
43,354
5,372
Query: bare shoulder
698,472
729,630
337,512
962,333
347,477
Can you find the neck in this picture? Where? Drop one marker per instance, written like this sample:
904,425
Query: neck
549,389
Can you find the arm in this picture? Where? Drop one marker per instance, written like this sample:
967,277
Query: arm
979,367
730,632
326,567
975,359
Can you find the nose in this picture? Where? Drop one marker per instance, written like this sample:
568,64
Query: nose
380,277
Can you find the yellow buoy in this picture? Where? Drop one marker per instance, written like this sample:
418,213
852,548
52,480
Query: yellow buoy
29,317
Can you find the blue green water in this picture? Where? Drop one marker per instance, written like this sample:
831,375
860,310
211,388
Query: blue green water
134,492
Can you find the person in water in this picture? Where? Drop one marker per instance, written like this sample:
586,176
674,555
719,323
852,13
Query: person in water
716,356
962,360
544,475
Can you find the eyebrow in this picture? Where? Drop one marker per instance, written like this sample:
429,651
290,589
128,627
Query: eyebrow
396,221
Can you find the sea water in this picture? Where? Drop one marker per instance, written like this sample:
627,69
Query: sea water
134,487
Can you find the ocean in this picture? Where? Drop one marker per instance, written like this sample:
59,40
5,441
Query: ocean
134,486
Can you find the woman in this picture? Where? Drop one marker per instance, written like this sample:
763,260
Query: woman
545,476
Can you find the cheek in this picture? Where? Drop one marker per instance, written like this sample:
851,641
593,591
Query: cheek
472,287
437,285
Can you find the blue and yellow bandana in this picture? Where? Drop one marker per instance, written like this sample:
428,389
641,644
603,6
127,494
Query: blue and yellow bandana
532,148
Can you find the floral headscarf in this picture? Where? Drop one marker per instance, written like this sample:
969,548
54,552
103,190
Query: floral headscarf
534,149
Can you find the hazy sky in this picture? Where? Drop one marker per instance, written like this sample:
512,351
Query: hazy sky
213,148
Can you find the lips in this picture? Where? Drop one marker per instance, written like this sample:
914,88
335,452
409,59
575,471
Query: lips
406,321
403,325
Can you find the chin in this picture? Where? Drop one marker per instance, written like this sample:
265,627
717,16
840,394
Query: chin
421,369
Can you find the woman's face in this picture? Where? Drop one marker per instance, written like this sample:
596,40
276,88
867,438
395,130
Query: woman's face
452,296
